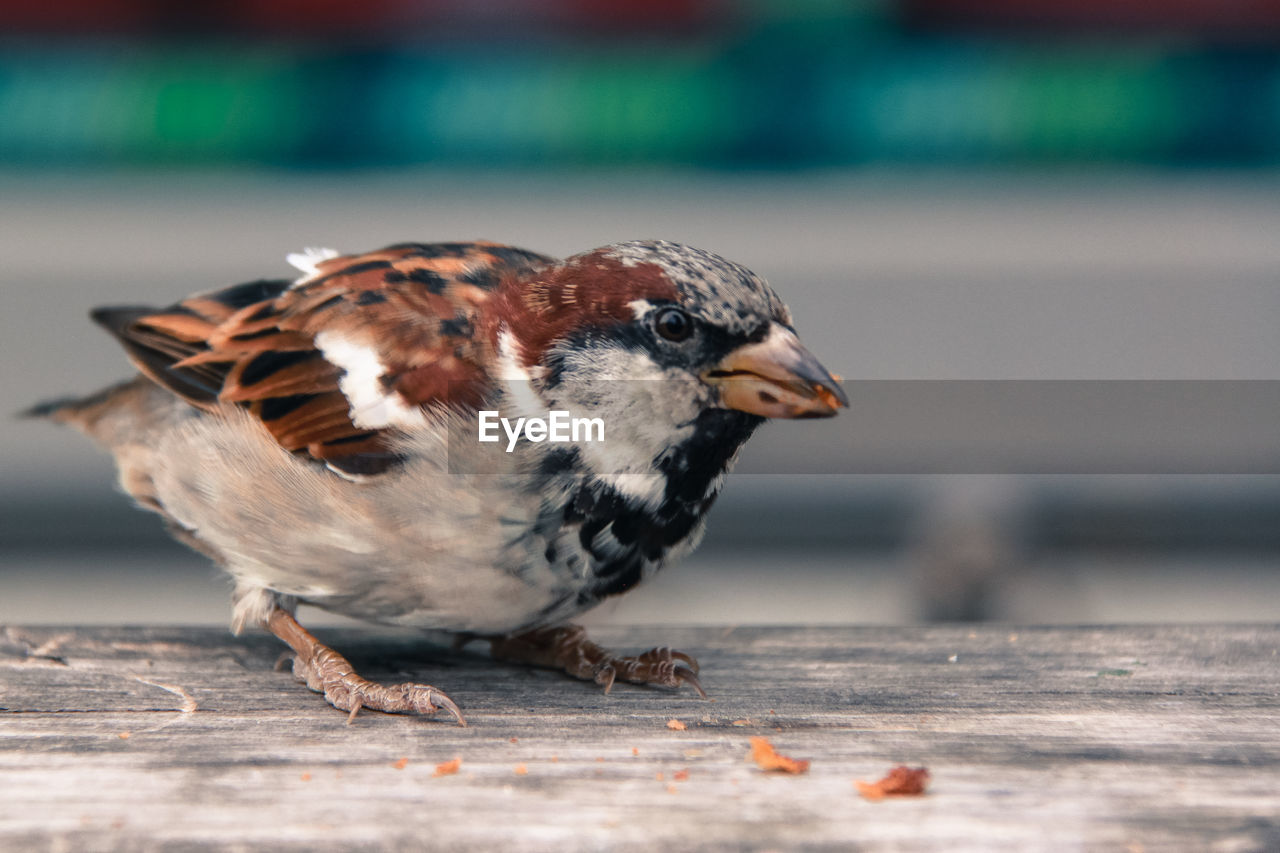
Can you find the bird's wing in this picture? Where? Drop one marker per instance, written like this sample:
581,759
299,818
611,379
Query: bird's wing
333,362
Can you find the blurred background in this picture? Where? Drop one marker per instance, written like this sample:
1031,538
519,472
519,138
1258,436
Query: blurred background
941,189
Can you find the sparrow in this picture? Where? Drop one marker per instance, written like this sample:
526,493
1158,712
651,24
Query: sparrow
319,439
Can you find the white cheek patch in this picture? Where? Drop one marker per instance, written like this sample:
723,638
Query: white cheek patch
372,406
309,260
646,409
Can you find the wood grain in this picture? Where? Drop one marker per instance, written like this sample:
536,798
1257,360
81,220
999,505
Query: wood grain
1117,738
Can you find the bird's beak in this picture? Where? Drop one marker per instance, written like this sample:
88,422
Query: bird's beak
776,378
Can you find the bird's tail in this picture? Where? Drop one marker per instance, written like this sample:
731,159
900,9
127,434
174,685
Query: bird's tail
54,410
87,413
70,409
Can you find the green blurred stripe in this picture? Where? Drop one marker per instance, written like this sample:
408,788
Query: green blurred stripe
610,108
149,105
983,103
761,100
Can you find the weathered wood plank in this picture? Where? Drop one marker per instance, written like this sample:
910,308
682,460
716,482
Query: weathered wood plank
1145,738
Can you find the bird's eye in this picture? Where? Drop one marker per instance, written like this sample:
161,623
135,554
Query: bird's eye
673,324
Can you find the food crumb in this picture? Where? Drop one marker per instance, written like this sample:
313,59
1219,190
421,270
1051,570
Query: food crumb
555,759
658,776
515,740
681,776
401,763
521,770
125,735
676,725
305,777
763,754
448,768
901,781
741,723
635,750
671,789
599,758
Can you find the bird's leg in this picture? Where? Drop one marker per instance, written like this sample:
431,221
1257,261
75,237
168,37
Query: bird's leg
325,671
568,648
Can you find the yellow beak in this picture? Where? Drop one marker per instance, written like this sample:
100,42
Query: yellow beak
776,378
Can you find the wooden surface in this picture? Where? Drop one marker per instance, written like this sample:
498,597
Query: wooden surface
1115,738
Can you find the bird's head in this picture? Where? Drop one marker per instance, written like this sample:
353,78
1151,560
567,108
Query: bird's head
677,350
711,331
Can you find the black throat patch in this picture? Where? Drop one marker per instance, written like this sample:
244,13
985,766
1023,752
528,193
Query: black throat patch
622,535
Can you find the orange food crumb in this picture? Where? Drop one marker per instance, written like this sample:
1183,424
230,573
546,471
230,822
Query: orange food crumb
515,740
741,723
681,775
555,759
658,775
521,770
901,781
671,789
635,750
305,777
402,763
125,735
448,768
676,725
763,754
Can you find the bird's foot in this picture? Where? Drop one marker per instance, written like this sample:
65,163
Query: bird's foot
328,672
568,648
325,671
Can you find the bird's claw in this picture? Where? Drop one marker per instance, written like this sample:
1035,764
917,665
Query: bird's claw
661,666
330,673
568,648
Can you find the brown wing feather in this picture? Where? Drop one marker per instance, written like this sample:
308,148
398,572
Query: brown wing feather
416,306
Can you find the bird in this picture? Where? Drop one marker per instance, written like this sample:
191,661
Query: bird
319,438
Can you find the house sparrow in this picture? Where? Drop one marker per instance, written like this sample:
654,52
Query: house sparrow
318,439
